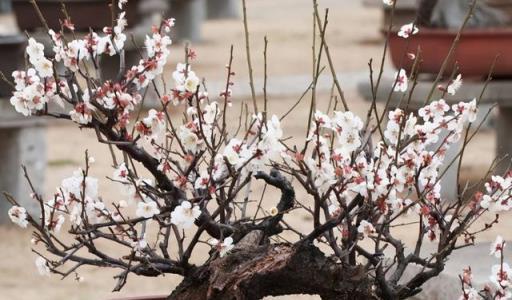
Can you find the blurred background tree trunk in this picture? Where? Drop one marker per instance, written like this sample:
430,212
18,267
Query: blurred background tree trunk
425,10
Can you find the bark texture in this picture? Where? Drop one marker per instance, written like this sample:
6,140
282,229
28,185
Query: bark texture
271,270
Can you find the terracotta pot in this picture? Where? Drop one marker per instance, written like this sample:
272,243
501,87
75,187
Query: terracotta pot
475,53
11,52
84,14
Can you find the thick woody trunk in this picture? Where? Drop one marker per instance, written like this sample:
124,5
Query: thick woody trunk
271,270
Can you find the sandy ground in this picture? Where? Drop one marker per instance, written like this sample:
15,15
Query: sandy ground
353,39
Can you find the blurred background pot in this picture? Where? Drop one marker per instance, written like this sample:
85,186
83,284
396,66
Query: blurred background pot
474,54
84,14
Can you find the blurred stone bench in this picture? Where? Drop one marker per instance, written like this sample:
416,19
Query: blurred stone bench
23,142
498,91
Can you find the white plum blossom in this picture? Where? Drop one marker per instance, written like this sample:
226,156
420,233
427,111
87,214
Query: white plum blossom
467,110
392,132
168,24
202,181
324,175
121,3
497,247
18,216
157,47
191,83
334,210
74,186
435,111
42,266
223,247
350,140
30,94
121,173
401,83
366,228
56,224
82,113
347,127
408,30
211,112
147,209
189,139
42,65
153,125
273,211
139,244
322,119
35,50
501,275
455,85
186,82
497,196
232,151
185,214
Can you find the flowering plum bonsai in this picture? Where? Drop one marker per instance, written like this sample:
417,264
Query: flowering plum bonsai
188,181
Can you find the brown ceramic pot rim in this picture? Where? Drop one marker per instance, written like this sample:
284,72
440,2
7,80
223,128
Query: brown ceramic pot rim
496,31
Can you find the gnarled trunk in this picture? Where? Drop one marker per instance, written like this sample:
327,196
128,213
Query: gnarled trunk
272,270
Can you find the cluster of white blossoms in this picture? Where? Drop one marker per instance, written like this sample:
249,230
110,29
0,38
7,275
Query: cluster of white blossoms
501,274
223,247
91,46
498,194
185,214
75,194
32,94
157,49
147,209
198,131
407,155
35,52
18,216
401,82
339,161
366,228
36,87
500,278
153,125
254,153
186,83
